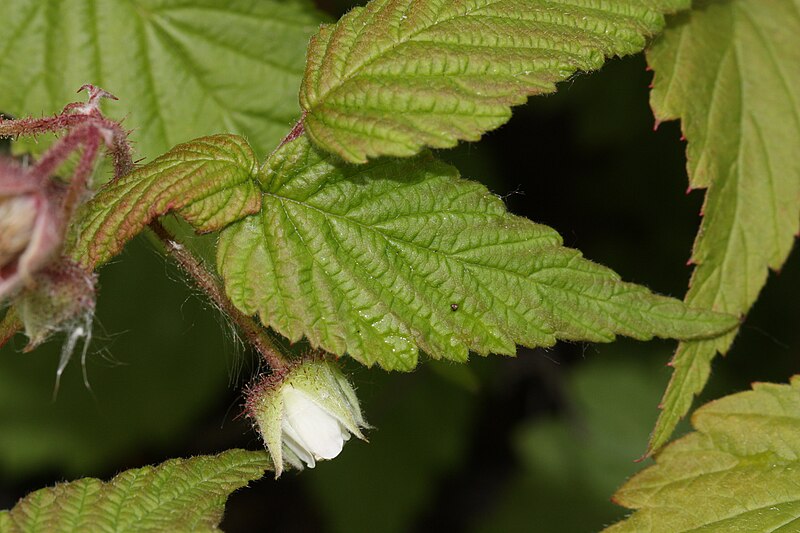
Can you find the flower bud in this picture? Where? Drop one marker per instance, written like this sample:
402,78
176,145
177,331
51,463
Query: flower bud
62,300
307,416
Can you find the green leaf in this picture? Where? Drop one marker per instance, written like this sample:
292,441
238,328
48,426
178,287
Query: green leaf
728,71
396,256
395,76
178,495
738,472
208,180
180,69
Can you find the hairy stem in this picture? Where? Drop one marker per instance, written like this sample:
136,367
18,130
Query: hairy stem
256,335
37,126
80,178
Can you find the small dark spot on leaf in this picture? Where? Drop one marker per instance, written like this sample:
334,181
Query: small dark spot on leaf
454,307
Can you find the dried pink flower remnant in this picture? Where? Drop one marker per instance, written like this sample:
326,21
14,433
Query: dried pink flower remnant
50,293
17,220
30,231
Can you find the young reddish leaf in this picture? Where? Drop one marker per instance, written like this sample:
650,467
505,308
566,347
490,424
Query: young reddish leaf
209,181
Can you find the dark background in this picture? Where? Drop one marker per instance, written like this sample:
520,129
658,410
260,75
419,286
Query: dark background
534,443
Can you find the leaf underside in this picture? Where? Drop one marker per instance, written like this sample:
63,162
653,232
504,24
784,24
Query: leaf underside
180,69
209,181
729,71
399,255
178,495
738,472
398,75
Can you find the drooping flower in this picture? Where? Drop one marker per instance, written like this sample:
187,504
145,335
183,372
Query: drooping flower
309,431
307,416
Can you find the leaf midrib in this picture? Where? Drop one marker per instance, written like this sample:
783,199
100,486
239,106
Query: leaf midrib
389,238
468,265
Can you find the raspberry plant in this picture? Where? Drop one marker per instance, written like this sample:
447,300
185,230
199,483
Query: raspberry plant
334,231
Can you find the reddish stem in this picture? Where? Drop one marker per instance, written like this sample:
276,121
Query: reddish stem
80,178
38,126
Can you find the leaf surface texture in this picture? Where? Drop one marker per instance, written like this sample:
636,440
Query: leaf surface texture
400,255
178,495
208,180
181,69
398,75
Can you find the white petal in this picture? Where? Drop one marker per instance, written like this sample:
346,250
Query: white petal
314,428
295,453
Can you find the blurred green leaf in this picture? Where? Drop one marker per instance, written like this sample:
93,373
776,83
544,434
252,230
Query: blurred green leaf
738,472
159,361
181,69
571,463
393,77
728,71
178,495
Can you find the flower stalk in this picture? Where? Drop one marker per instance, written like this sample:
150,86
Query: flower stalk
255,334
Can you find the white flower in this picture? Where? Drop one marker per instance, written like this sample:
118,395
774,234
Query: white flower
307,416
